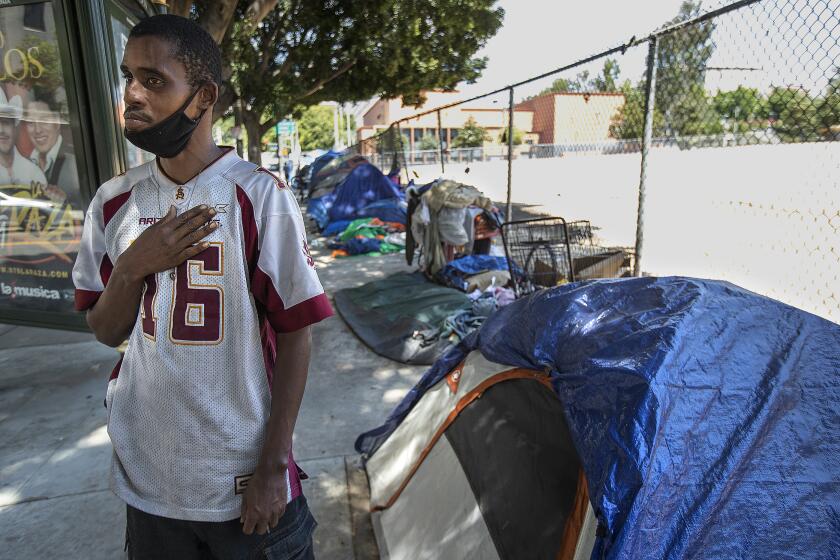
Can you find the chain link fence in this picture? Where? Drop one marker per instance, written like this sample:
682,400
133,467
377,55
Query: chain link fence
709,147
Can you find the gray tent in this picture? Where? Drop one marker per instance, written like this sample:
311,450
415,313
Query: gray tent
482,467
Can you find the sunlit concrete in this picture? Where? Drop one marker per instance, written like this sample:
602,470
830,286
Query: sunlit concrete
55,452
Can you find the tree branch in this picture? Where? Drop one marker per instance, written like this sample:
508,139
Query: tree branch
321,83
265,127
267,54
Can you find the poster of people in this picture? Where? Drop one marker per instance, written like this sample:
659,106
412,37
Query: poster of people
41,210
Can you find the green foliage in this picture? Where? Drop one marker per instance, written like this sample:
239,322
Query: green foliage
695,114
683,108
606,82
681,104
471,136
316,128
681,64
560,85
518,137
828,113
270,137
742,109
629,121
428,142
794,114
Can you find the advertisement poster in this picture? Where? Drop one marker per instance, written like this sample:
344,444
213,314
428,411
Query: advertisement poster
41,210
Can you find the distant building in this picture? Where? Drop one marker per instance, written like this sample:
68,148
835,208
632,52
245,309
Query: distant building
552,118
488,114
564,118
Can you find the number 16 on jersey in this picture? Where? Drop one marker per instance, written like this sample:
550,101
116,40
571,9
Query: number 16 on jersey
197,309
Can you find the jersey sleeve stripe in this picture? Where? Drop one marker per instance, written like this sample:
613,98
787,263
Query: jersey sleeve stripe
249,229
285,320
277,180
111,207
85,299
116,371
294,478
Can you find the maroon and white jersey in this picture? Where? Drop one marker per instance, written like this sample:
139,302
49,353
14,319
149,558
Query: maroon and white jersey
189,404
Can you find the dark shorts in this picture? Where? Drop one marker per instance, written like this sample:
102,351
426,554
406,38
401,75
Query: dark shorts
149,536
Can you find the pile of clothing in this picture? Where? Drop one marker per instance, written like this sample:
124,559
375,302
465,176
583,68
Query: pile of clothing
457,326
443,217
370,236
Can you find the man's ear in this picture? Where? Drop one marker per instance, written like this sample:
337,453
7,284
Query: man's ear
208,95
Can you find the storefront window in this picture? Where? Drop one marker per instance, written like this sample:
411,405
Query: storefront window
41,208
121,24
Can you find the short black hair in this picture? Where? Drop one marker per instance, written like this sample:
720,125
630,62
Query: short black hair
191,45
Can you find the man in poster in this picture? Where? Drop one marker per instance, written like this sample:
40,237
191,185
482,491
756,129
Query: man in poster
43,117
14,168
38,228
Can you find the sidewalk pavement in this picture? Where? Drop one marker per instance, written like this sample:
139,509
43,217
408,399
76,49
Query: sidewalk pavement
55,452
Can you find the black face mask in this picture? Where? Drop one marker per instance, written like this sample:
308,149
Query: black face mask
169,137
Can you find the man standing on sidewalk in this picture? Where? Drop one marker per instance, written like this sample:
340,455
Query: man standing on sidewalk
200,260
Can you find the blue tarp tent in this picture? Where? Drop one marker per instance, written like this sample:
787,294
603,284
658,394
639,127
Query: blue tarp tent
363,186
321,162
318,209
705,416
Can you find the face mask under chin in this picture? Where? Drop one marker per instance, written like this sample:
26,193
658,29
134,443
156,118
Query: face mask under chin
169,137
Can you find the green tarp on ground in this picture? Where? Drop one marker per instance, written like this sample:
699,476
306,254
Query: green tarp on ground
386,313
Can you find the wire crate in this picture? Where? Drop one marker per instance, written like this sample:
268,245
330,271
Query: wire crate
545,252
538,253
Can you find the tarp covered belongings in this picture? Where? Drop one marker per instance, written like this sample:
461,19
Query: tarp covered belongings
456,273
318,209
386,314
704,417
321,161
328,176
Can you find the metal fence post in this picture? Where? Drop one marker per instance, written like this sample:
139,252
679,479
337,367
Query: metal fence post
404,153
401,148
509,205
440,144
650,101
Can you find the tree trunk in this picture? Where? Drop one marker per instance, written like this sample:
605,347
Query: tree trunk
252,126
216,18
180,7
